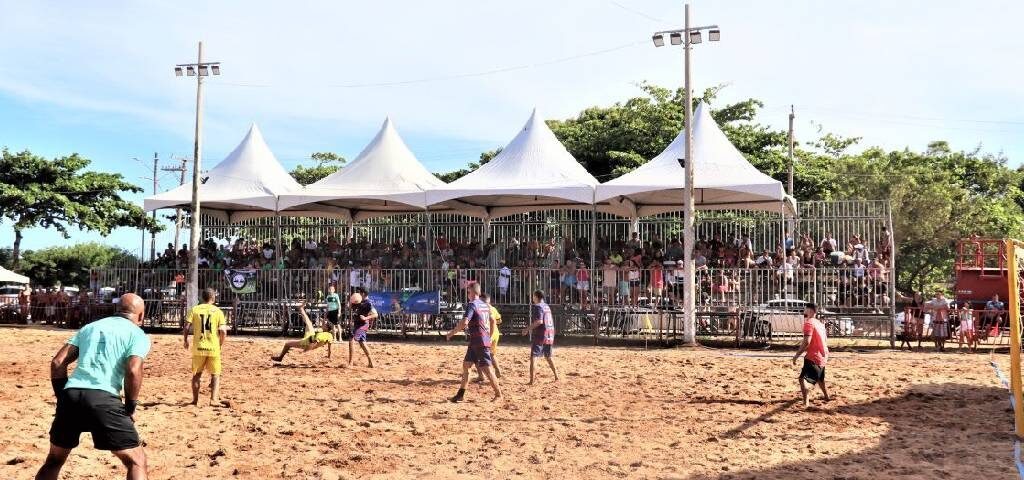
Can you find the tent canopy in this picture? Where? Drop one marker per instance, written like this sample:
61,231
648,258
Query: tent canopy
385,179
243,185
723,178
7,276
533,172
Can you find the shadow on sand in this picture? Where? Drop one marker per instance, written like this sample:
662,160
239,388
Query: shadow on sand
935,431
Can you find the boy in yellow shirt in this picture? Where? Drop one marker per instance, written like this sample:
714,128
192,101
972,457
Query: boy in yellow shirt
208,328
313,339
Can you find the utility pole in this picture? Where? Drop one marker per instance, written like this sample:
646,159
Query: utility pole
177,211
686,37
792,116
152,234
199,70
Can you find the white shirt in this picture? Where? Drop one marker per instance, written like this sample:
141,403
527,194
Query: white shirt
311,245
503,277
355,277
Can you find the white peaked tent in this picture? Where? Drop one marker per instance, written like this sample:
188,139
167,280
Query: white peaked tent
723,179
533,172
385,179
243,185
7,276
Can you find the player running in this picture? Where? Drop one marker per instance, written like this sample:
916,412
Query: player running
542,333
362,314
312,339
477,319
208,328
109,353
495,337
815,343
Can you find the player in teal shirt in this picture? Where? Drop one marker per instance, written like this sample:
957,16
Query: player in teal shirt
109,353
333,310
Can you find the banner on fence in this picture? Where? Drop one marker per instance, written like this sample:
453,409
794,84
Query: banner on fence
242,280
407,302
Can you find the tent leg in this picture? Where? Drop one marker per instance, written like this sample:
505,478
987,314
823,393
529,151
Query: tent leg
593,269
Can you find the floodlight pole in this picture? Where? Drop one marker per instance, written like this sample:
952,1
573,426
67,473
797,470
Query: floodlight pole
192,295
689,243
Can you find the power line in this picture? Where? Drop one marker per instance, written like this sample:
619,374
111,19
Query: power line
397,83
639,13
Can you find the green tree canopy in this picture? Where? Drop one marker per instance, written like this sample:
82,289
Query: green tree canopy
70,265
326,164
57,194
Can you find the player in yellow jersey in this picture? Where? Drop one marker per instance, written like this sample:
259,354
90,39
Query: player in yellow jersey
206,325
313,339
495,337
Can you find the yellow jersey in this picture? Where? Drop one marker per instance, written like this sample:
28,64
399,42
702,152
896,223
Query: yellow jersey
497,321
319,337
206,320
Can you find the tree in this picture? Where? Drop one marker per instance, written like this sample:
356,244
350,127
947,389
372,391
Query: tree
485,157
58,194
326,164
70,265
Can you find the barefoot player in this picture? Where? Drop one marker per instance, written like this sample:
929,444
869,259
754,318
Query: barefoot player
313,338
110,353
495,337
362,314
209,330
333,310
816,346
542,333
477,319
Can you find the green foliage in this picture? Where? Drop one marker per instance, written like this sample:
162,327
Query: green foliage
70,265
326,164
57,194
485,157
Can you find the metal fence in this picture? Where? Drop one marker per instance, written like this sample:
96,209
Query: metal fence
734,300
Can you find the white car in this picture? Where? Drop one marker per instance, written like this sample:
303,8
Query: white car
785,317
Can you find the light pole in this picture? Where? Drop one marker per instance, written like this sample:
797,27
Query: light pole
198,70
688,36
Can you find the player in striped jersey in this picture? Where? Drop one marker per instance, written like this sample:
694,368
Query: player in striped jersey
477,321
542,333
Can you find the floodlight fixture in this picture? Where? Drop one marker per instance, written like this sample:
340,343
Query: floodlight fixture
714,35
178,72
659,40
676,38
191,70
695,36
216,69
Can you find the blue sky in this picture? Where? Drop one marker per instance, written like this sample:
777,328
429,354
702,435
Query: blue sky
96,78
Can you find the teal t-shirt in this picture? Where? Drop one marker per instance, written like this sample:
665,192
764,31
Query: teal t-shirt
333,302
103,350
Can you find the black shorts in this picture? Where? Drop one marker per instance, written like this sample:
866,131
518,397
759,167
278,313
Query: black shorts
812,372
332,317
97,412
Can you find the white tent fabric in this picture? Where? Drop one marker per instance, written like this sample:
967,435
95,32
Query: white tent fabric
385,179
723,179
7,276
243,185
533,172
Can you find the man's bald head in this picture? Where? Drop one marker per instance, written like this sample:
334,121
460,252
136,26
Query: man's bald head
132,306
355,298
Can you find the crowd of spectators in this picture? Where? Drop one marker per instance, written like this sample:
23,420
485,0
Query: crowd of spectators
626,271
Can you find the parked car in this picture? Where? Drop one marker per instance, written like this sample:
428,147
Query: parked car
785,317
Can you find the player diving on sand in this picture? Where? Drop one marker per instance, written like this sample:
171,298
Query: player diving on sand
312,339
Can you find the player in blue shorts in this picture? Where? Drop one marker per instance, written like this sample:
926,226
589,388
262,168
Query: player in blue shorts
542,333
477,319
362,314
